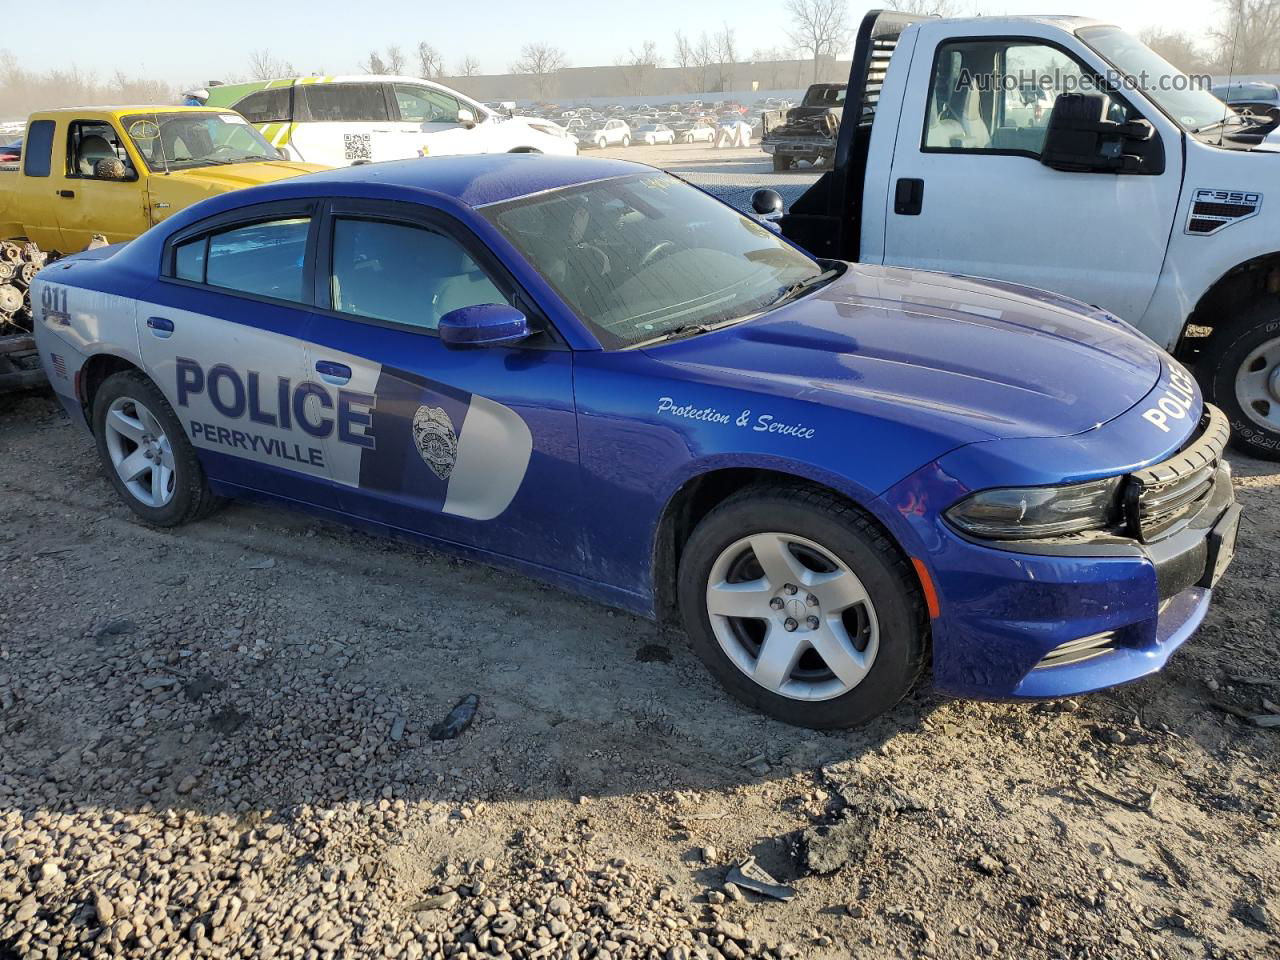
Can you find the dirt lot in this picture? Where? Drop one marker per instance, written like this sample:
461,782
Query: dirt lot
214,742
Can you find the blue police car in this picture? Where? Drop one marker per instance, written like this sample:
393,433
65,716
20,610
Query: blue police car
834,474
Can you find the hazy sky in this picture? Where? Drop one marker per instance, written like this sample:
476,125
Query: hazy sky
184,42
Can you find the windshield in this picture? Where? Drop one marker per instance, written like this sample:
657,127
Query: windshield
644,256
181,141
1185,99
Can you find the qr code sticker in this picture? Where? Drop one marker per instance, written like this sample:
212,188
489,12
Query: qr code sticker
357,146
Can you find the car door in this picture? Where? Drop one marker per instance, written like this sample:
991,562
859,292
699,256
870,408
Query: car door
344,122
476,447
87,200
428,124
970,138
223,333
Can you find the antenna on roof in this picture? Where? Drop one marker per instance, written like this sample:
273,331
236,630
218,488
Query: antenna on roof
1231,69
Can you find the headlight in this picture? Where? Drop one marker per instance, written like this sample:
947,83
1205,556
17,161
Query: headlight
1025,513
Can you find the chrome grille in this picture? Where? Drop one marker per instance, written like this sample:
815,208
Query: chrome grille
1159,495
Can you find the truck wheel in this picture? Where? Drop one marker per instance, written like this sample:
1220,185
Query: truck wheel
781,163
146,453
802,607
1240,372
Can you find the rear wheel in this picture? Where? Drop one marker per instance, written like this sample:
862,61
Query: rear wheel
146,453
626,141
802,607
1240,372
781,162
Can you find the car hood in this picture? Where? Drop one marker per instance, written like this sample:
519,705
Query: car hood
182,188
987,359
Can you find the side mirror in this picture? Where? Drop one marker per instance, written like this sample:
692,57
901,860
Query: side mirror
484,325
466,118
767,203
1079,137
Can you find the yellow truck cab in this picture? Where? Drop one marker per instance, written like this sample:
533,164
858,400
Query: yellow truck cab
117,171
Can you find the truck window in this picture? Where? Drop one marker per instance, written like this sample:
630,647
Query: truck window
344,103
265,106
995,96
37,151
88,143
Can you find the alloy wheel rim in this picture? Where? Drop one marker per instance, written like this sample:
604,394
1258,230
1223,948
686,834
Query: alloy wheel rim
1258,385
792,616
140,452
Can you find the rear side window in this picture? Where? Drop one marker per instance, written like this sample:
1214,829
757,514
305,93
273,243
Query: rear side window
37,151
344,102
266,259
265,106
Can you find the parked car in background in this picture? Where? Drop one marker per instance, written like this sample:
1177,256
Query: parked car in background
653,134
343,120
1258,99
695,131
611,133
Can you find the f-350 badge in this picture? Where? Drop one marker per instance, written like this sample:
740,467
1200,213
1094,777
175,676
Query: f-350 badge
435,439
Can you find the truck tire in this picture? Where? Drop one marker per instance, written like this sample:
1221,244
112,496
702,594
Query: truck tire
1240,372
834,632
781,163
146,453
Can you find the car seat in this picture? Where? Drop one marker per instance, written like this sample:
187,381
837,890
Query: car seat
92,149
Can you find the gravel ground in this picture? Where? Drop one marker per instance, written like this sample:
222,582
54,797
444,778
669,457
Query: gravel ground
215,742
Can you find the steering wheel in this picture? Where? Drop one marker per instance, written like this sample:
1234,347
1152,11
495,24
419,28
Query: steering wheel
660,249
220,148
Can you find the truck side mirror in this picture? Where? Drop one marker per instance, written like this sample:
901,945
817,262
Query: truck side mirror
766,203
1080,138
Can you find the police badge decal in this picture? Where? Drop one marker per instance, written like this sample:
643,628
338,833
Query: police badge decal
437,443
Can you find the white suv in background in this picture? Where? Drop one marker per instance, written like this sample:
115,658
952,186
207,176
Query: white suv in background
611,133
343,120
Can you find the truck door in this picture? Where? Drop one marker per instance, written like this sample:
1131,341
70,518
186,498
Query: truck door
34,193
92,197
968,194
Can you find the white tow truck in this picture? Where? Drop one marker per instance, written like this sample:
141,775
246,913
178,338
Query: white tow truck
1063,153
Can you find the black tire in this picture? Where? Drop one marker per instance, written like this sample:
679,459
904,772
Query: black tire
192,498
1221,362
781,163
626,142
859,542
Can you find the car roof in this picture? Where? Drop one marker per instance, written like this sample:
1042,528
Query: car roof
480,180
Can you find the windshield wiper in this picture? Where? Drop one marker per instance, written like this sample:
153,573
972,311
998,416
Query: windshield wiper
1237,118
802,286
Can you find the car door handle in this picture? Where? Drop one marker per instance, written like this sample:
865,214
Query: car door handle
68,194
161,327
908,197
338,374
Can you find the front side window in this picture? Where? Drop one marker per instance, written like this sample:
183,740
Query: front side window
184,141
344,102
639,258
89,142
404,274
265,259
997,95
425,105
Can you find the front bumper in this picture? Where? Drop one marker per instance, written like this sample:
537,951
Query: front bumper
1035,620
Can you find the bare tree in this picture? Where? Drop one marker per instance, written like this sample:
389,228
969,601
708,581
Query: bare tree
542,62
264,66
930,8
1248,38
1180,49
374,63
430,62
395,60
470,67
22,91
725,51
820,28
685,61
638,67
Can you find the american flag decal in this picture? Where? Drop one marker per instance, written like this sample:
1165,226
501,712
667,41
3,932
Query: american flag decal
59,365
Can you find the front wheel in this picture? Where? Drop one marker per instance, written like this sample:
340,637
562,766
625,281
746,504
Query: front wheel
1240,372
626,142
146,453
781,162
802,607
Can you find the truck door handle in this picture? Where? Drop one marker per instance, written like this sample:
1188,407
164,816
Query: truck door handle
338,374
66,193
908,197
161,327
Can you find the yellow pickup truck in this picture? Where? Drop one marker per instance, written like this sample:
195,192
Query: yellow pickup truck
116,171
110,172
